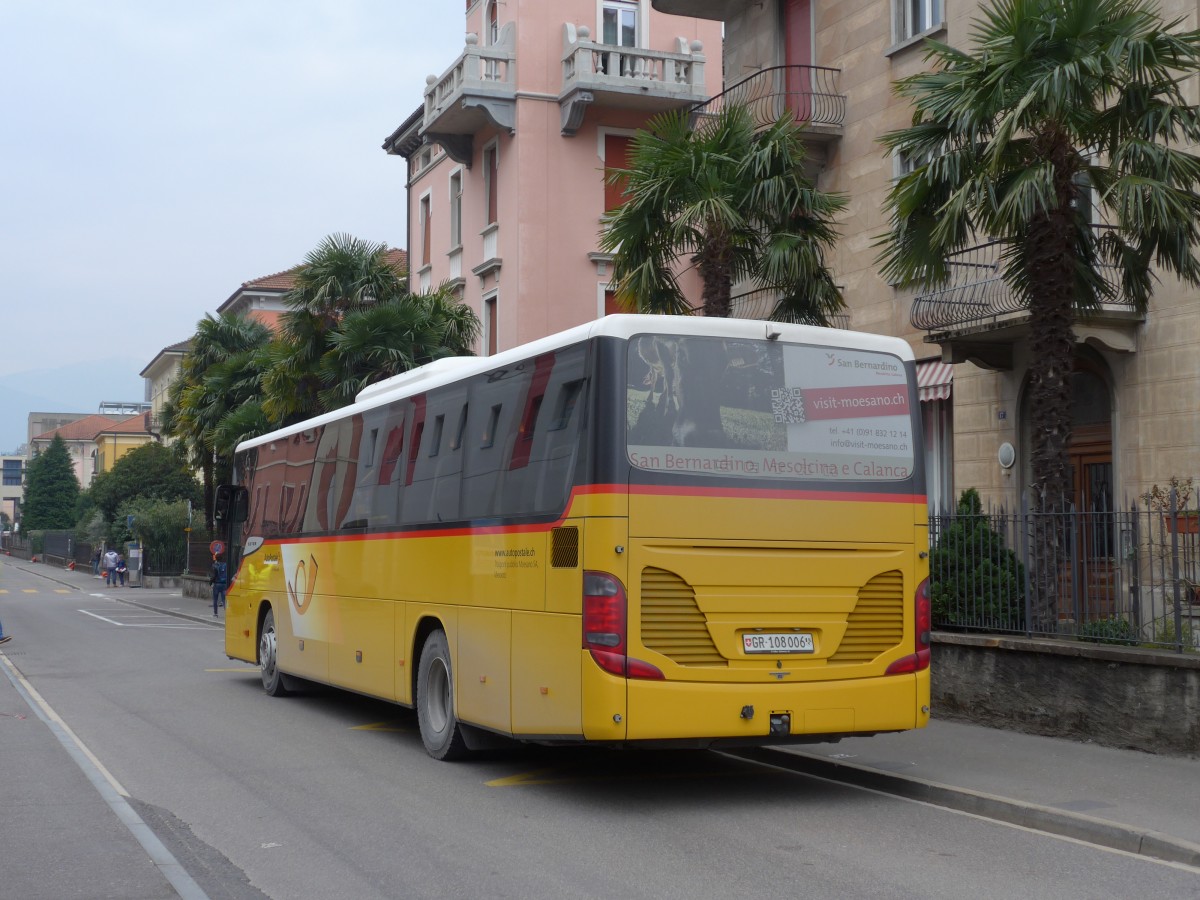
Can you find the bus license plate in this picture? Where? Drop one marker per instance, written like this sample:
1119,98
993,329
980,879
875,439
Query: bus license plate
780,642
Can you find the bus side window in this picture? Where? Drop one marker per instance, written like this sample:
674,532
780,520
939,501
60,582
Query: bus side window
496,402
556,447
433,494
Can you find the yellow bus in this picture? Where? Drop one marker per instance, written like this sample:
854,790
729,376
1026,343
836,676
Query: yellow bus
647,530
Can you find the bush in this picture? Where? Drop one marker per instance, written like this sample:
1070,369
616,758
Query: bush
1164,633
974,580
1109,630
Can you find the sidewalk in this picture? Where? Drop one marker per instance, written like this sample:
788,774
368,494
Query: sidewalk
59,801
1126,799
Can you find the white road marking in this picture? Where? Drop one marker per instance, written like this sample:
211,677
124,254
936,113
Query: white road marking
88,612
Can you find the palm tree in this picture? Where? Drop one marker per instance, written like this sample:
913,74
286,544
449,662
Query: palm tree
218,374
1057,98
375,343
736,201
342,275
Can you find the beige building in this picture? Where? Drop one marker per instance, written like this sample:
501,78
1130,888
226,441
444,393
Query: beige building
1136,412
80,437
12,486
159,373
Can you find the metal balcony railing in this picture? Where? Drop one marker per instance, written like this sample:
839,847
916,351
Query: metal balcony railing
810,92
977,296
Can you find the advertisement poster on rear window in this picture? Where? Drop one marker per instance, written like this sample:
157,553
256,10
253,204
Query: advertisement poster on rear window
764,409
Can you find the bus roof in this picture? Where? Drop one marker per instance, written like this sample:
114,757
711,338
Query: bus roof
624,326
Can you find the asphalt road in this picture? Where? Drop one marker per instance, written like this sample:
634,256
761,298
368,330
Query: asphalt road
330,795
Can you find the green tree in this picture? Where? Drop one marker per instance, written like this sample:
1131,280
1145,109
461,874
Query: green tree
151,471
342,275
974,579
158,524
1058,97
51,489
734,200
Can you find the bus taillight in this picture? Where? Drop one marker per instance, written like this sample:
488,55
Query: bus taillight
605,611
915,662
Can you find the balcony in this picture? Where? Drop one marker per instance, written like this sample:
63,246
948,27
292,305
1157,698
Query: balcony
810,92
977,317
720,10
626,77
478,91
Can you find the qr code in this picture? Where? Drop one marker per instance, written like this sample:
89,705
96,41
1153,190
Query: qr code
788,405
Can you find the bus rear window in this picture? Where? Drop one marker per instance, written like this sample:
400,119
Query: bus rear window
766,409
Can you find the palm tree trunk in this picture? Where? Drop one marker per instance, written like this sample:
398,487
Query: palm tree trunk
1051,345
716,275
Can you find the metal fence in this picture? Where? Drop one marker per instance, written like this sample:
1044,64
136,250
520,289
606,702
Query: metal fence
169,560
1126,576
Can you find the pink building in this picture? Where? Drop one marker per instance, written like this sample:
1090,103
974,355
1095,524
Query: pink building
506,157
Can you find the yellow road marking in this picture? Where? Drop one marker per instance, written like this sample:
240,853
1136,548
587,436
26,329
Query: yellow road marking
61,591
28,590
534,777
3,590
380,726
240,669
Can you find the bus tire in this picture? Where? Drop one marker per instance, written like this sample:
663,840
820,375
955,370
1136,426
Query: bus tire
440,731
274,682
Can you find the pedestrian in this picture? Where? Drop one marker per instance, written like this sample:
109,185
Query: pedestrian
110,566
4,638
122,568
219,579
96,563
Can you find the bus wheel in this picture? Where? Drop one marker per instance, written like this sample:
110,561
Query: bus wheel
268,660
440,731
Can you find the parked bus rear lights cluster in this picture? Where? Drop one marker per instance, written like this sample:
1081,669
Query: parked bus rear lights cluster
915,662
604,627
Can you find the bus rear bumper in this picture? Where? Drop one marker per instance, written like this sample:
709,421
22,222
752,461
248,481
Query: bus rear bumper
776,712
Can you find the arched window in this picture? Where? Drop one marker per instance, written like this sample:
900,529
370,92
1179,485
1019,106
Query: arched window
492,18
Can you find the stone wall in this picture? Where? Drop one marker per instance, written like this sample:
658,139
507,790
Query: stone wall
196,586
1115,696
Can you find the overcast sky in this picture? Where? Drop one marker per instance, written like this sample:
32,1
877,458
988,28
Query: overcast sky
154,155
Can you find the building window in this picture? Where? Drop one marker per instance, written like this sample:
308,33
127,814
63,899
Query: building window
426,229
490,324
906,164
616,156
12,473
618,23
915,17
934,389
492,30
491,182
456,210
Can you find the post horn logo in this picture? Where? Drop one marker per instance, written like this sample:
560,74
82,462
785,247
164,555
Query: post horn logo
301,586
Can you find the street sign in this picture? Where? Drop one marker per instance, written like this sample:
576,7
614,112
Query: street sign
216,548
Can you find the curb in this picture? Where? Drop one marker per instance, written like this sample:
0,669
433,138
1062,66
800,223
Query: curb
1091,830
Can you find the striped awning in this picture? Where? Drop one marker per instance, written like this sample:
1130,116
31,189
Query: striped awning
933,379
